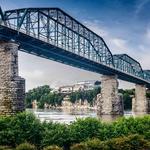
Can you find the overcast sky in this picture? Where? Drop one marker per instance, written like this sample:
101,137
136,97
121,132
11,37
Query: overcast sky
124,25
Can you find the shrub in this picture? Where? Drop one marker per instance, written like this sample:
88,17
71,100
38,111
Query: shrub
25,146
82,129
126,126
55,134
96,144
24,127
131,142
18,129
53,147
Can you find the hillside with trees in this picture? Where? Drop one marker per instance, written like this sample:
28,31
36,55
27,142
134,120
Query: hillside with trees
44,94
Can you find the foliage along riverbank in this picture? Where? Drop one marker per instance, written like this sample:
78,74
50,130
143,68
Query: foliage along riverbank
44,94
83,134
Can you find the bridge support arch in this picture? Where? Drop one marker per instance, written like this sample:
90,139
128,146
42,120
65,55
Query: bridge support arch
140,102
109,102
12,87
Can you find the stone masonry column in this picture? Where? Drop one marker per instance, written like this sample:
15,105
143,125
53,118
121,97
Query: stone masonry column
140,103
109,102
12,87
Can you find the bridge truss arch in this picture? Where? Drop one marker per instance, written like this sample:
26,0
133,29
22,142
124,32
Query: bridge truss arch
129,65
54,26
51,33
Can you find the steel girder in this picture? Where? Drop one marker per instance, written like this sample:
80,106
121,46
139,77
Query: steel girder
147,75
54,26
129,65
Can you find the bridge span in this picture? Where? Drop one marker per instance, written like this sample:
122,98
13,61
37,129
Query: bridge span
53,34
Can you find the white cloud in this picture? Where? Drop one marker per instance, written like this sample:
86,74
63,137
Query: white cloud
119,43
96,27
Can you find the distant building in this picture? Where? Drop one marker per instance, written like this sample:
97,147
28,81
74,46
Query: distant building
79,86
65,89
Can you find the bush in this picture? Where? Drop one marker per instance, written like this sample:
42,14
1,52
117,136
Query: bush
96,144
55,134
24,127
25,146
126,126
91,144
53,147
132,142
18,129
83,129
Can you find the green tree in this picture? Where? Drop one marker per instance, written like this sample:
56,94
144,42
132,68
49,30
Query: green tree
36,94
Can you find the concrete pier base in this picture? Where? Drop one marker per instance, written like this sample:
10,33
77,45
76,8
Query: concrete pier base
109,102
12,87
140,103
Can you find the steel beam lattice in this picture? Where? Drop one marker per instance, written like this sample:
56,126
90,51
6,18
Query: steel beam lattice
86,49
54,26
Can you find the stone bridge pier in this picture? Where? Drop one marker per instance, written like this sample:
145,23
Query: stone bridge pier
12,87
140,102
109,102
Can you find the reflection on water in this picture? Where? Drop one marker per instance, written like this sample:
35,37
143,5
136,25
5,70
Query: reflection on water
65,115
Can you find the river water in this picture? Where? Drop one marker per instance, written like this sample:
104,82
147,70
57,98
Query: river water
65,115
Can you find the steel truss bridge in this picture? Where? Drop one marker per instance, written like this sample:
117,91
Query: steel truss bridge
53,34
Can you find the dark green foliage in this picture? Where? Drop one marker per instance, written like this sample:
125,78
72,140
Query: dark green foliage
51,98
36,94
131,142
82,129
127,98
126,126
148,94
96,144
25,146
43,94
89,95
24,127
55,134
19,129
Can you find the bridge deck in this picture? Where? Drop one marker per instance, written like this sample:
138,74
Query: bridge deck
43,49
51,33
